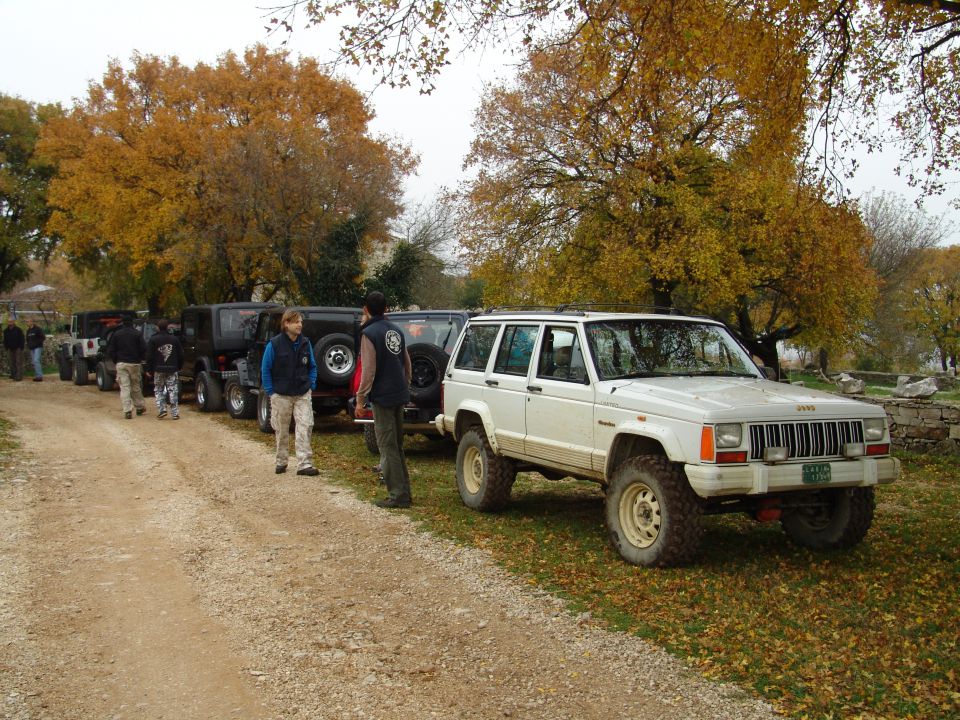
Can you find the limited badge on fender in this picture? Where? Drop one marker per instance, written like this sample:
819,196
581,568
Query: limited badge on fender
393,340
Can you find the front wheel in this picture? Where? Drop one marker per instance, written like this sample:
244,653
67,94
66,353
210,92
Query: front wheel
239,401
105,379
263,412
209,393
830,519
653,516
484,478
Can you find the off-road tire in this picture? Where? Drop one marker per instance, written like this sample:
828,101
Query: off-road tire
336,359
370,439
836,518
81,373
263,412
239,400
484,478
653,517
427,363
65,364
105,379
209,393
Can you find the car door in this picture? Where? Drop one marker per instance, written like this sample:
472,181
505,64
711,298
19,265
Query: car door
506,391
560,401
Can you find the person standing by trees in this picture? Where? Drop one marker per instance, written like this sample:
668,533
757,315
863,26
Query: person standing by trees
127,350
13,344
288,373
35,339
164,360
385,379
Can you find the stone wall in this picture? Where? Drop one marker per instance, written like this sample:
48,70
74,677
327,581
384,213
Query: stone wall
921,425
51,347
944,381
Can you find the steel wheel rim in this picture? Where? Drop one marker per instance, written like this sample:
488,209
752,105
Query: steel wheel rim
424,373
338,359
472,470
201,395
235,397
640,515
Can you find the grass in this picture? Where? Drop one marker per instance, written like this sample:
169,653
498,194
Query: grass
876,390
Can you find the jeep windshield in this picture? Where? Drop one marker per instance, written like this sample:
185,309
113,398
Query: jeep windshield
646,347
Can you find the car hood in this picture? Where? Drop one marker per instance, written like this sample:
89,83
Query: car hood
720,398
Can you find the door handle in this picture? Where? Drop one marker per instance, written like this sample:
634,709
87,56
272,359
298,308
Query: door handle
534,388
492,383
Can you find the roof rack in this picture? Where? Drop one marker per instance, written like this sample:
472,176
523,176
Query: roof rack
658,309
525,308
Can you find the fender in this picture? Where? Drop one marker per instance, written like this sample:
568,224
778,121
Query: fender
477,408
663,437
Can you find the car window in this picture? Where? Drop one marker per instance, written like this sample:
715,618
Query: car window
441,331
189,326
561,357
476,347
237,323
516,349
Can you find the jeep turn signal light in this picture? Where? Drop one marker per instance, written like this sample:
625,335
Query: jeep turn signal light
706,444
881,449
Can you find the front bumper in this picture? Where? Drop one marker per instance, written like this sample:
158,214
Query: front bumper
759,478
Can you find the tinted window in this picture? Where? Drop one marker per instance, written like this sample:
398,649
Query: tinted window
476,347
237,323
189,326
516,349
440,331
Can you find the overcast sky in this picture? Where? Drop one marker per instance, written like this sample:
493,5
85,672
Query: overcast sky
51,49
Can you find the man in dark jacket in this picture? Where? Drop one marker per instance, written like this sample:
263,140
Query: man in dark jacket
127,349
288,374
13,344
164,360
385,380
35,338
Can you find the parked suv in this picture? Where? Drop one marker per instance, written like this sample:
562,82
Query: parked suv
671,416
214,337
430,336
333,332
79,356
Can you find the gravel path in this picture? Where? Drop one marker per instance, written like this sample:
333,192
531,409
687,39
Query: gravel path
159,569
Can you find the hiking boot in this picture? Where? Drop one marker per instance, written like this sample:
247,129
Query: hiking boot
128,415
391,503
311,471
281,469
141,411
161,414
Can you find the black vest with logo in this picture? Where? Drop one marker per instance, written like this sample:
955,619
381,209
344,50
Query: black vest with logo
291,366
390,383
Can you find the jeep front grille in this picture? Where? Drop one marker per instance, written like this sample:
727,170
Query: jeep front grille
805,439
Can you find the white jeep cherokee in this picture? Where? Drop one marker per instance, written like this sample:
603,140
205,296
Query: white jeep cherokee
671,415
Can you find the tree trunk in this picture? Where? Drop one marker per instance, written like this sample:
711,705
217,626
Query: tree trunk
823,360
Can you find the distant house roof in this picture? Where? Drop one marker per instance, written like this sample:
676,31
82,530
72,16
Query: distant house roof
36,289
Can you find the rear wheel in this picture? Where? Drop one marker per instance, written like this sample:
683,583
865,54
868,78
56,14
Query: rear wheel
484,479
833,518
81,373
263,412
209,393
105,379
64,363
239,401
653,516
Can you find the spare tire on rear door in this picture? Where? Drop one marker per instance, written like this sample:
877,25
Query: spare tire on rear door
428,363
336,359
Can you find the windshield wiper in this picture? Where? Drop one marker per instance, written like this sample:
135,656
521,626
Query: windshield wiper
721,373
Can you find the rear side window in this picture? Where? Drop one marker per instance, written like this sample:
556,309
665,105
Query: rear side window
476,347
189,329
237,323
516,349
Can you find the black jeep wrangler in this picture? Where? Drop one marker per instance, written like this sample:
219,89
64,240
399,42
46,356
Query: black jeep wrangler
430,336
333,332
79,356
214,338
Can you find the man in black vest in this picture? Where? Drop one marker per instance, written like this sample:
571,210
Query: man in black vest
385,380
288,374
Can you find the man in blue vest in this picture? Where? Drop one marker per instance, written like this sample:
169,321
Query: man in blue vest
385,380
288,374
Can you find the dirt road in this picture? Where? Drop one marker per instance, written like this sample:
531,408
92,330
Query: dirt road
159,569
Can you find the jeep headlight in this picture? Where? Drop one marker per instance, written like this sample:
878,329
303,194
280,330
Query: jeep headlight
873,428
729,435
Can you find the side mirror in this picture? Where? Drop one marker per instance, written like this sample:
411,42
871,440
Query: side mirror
770,373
